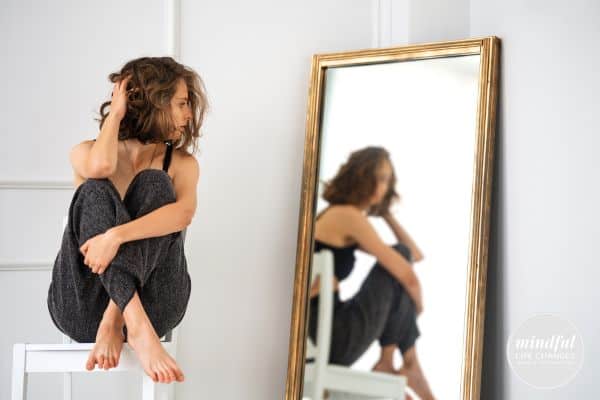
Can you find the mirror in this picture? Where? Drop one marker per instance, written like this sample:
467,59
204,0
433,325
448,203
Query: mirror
392,245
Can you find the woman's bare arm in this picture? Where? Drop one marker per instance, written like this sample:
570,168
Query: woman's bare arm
315,288
169,218
403,237
98,159
361,230
105,151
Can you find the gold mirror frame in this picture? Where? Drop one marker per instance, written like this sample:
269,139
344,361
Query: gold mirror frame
488,48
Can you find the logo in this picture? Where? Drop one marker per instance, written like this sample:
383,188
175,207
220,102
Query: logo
546,351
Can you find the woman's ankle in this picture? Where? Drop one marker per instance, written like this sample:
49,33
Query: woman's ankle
112,316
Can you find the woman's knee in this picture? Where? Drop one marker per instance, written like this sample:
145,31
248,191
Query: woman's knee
95,186
150,189
96,192
404,250
154,181
101,202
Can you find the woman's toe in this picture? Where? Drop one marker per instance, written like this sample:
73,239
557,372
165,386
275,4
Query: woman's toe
89,365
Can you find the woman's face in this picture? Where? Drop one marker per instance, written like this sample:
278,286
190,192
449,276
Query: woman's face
383,177
180,109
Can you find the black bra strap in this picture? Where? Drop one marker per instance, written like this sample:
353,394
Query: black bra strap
167,159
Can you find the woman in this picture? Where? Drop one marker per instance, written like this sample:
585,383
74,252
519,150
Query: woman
121,272
389,300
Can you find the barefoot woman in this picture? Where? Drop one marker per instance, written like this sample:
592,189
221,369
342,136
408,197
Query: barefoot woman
121,272
389,300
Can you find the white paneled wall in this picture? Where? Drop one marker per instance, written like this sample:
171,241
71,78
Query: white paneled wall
57,57
255,60
544,228
543,256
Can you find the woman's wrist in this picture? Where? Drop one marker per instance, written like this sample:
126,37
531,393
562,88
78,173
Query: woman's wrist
115,117
387,216
116,234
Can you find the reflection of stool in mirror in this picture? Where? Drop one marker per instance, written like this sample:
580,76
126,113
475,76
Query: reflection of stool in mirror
319,375
71,357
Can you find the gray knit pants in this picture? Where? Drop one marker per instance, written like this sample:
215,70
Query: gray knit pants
154,267
381,310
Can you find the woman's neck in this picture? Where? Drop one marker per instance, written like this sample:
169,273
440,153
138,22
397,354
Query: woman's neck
137,152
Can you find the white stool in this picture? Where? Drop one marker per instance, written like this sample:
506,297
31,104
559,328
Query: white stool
320,375
70,357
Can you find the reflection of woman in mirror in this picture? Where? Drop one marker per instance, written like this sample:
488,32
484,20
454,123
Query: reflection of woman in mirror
389,300
121,273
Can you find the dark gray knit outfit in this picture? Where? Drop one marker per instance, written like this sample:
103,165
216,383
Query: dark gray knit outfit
381,310
154,267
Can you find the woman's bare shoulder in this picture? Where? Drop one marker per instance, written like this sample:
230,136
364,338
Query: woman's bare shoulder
184,156
344,211
85,144
343,216
184,162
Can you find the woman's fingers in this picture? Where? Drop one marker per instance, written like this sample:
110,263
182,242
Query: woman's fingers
84,247
97,268
120,85
123,83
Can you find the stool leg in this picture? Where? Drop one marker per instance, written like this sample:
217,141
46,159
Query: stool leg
67,388
19,375
171,392
148,388
67,376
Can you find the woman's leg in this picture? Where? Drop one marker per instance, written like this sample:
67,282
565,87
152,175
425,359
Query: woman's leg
161,300
400,328
362,319
415,378
109,339
77,297
157,363
166,291
401,332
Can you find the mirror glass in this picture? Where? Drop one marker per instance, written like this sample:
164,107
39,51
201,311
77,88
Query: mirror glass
406,128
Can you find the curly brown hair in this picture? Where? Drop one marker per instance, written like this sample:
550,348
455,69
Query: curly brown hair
150,90
356,181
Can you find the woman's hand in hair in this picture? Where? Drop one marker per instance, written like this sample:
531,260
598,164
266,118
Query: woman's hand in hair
118,104
99,251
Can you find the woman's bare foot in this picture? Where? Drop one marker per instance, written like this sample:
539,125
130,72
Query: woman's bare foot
388,368
384,366
107,349
386,359
157,363
414,375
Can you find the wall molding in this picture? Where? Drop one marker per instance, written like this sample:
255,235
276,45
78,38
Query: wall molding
26,266
381,22
173,28
36,185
